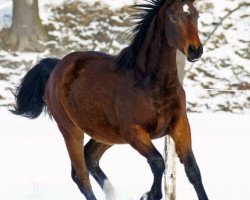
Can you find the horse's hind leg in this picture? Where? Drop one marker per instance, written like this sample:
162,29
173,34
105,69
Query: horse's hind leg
182,137
93,152
140,140
74,142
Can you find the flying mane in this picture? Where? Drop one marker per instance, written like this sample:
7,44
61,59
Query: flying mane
144,16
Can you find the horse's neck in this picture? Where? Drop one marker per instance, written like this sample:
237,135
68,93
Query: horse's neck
157,60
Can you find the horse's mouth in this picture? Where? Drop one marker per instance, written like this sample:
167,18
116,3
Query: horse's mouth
190,59
193,59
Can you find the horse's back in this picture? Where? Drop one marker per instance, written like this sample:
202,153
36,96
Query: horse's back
76,66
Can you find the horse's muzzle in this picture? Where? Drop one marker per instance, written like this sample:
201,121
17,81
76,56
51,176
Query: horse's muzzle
194,53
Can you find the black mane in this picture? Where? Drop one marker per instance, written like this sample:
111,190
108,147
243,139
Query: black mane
145,14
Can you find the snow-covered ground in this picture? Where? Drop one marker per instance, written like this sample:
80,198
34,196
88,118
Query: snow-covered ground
34,163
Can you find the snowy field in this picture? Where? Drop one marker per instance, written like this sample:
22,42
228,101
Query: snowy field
34,164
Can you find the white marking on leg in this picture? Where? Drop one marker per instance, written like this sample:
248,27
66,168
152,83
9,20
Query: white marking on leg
108,189
145,196
186,9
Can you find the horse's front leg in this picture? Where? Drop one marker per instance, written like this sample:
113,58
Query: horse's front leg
140,140
182,137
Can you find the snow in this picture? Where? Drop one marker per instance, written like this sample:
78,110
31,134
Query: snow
35,164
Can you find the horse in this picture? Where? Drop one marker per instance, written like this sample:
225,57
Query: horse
129,98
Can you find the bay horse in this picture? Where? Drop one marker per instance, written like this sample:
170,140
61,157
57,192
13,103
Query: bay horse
131,98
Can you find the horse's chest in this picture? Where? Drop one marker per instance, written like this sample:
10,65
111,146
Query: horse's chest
161,122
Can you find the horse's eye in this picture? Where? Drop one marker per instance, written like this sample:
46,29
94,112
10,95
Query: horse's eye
173,18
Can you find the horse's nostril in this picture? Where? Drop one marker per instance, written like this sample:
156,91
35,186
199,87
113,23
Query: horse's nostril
192,49
194,53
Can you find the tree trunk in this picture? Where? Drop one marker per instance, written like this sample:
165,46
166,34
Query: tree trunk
170,155
170,173
26,31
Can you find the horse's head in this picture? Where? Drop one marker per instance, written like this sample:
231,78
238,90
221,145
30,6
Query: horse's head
181,28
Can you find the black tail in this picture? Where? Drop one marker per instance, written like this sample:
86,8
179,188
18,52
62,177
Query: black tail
30,93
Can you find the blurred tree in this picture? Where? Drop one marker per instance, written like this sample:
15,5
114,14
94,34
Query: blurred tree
26,30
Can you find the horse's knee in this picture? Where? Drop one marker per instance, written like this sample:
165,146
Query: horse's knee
193,174
192,169
157,164
194,178
81,179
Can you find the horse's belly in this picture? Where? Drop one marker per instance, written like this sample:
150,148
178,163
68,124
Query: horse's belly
98,126
104,134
